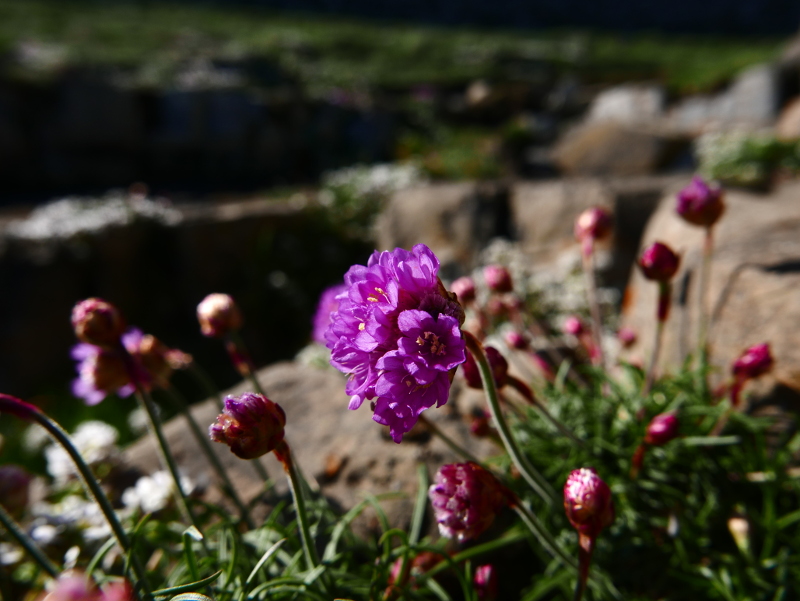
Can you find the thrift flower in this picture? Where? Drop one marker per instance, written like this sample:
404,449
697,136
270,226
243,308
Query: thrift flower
593,224
96,321
574,326
753,362
218,314
251,425
662,429
328,303
466,498
498,279
658,262
587,502
464,289
397,334
700,204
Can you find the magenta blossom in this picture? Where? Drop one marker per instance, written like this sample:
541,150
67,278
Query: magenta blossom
251,425
498,279
659,262
328,303
753,362
587,502
699,203
662,429
396,333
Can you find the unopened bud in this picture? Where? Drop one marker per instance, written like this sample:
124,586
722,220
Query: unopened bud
486,583
464,288
700,204
498,279
587,502
754,362
218,314
97,322
626,336
250,425
593,224
516,340
497,362
574,326
662,429
658,262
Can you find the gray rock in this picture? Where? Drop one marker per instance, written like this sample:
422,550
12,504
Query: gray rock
344,452
628,104
754,285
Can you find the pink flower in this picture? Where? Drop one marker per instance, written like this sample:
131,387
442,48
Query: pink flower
464,289
574,326
593,224
753,362
497,278
98,322
700,204
516,340
328,303
485,581
251,425
658,262
626,336
662,429
218,314
588,502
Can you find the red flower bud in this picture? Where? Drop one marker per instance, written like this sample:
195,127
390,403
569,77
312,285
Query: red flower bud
588,502
626,336
498,279
97,322
516,340
662,429
218,314
485,581
755,361
659,262
700,204
250,425
466,498
464,288
497,362
574,326
593,224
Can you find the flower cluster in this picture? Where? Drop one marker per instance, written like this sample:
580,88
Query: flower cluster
396,332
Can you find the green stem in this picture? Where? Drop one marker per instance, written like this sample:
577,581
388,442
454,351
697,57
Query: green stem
205,445
16,531
534,479
454,446
656,351
31,413
705,273
544,537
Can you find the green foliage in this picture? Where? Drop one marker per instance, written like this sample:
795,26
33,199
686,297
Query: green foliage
743,159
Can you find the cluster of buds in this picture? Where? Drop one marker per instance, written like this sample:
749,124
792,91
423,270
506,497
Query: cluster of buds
466,498
590,509
663,428
752,363
113,359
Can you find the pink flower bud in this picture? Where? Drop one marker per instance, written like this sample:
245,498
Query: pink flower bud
593,224
485,581
497,362
466,498
516,340
659,262
627,337
416,566
97,322
498,279
700,204
250,425
464,288
662,429
574,326
14,484
588,502
218,315
74,586
754,362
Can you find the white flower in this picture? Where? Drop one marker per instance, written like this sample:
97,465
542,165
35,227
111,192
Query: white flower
95,441
152,493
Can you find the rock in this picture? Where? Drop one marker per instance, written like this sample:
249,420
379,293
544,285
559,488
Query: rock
343,452
454,220
608,148
788,125
628,104
754,284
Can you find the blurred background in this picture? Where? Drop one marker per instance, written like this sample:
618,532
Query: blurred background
153,152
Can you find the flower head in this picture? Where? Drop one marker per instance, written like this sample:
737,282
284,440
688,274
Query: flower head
466,498
700,204
662,429
328,303
464,289
250,425
96,321
218,314
396,333
753,362
498,279
14,484
659,262
588,502
498,364
485,581
593,224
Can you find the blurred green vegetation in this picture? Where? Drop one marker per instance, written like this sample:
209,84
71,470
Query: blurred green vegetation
325,52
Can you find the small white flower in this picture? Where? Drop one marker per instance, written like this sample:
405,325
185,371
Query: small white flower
152,493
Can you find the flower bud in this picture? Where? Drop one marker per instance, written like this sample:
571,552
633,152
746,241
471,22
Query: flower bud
479,423
755,361
700,204
516,340
498,279
574,326
485,581
416,566
739,528
593,224
497,362
98,322
588,502
73,585
627,337
250,425
218,314
14,484
659,262
662,429
464,287
466,498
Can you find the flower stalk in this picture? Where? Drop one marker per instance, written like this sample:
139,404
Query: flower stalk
25,541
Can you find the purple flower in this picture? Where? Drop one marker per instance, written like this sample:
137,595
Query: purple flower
466,498
251,425
96,321
328,303
396,333
700,204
